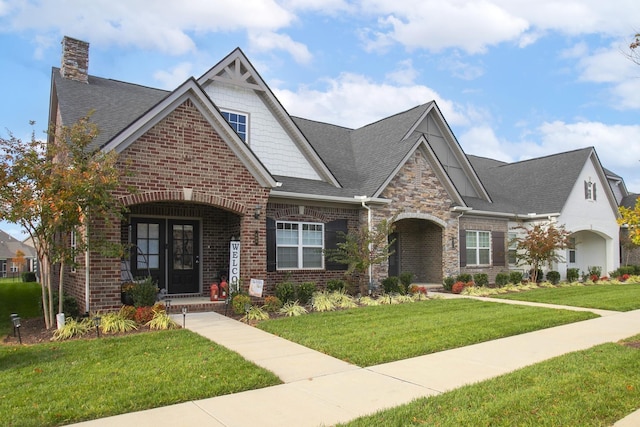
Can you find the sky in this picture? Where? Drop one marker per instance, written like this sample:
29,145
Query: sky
515,79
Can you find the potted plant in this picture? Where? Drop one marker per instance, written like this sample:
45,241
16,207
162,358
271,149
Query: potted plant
126,293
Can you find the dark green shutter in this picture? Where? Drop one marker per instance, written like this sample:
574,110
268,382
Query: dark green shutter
333,234
271,244
462,248
497,249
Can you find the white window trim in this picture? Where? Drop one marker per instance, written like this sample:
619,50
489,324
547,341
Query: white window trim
477,248
241,113
512,245
300,246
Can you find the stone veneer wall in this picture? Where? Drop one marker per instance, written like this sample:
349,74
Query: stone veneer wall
417,194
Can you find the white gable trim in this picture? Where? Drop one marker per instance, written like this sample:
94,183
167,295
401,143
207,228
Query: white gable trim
604,182
229,71
190,90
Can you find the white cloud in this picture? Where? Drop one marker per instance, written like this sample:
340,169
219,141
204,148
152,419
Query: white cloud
461,69
405,74
175,76
341,101
268,41
482,141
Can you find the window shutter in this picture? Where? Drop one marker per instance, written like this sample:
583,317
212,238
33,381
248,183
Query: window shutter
586,190
594,191
497,249
462,248
333,236
271,244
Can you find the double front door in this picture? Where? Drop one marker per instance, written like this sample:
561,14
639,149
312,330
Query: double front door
169,251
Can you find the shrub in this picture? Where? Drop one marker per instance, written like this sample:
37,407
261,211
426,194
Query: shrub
144,293
406,279
342,299
481,279
336,285
292,308
73,328
285,291
464,277
415,289
502,279
458,287
113,323
143,314
272,304
239,302
539,276
128,312
161,320
304,292
28,276
553,277
391,285
573,274
515,277
621,271
69,306
448,282
255,313
321,301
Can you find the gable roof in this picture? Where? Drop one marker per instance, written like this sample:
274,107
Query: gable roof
520,187
9,246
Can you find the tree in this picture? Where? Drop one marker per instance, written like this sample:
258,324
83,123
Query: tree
19,260
630,219
54,188
540,245
363,249
634,46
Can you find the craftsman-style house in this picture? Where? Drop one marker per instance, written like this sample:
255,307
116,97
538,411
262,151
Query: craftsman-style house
227,182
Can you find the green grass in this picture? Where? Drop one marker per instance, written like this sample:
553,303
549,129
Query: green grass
60,383
18,297
623,297
595,387
368,336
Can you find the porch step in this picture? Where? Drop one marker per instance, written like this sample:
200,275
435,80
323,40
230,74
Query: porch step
195,305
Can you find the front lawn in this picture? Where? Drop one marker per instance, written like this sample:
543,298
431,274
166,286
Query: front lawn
616,297
18,297
65,382
369,336
594,387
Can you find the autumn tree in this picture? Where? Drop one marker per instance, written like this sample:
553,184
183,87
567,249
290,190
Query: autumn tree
634,49
54,188
539,246
362,249
630,219
19,260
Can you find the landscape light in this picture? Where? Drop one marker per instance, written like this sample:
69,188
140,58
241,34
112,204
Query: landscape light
184,317
96,321
16,326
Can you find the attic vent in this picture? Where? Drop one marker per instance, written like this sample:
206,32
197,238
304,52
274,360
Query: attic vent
75,60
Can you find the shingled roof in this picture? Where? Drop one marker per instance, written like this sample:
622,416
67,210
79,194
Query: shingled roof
9,246
114,104
540,185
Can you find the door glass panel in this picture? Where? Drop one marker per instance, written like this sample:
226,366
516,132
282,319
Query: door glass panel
183,247
148,242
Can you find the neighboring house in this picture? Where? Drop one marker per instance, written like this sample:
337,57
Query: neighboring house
12,264
219,162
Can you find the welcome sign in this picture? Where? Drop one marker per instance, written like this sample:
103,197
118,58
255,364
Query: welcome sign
234,266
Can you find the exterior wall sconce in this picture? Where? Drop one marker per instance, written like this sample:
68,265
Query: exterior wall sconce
256,213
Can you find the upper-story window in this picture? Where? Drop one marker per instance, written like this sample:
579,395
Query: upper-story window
239,122
590,190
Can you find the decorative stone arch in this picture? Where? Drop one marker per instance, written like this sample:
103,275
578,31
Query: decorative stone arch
418,246
184,195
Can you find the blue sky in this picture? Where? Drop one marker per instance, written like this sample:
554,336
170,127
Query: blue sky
515,79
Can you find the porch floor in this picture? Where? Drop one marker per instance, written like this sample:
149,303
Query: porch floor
196,304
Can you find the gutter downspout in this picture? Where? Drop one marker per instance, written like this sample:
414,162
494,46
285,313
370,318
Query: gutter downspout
86,268
364,200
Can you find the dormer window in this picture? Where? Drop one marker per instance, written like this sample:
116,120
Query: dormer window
239,122
590,190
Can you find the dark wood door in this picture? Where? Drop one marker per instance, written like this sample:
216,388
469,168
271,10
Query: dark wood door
183,257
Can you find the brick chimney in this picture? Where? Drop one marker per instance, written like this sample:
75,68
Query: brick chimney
75,60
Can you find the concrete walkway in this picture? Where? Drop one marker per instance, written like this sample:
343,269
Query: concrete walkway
320,390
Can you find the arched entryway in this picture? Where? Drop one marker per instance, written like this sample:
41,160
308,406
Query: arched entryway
417,249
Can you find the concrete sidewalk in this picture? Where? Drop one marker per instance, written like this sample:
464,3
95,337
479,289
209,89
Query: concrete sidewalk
321,390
